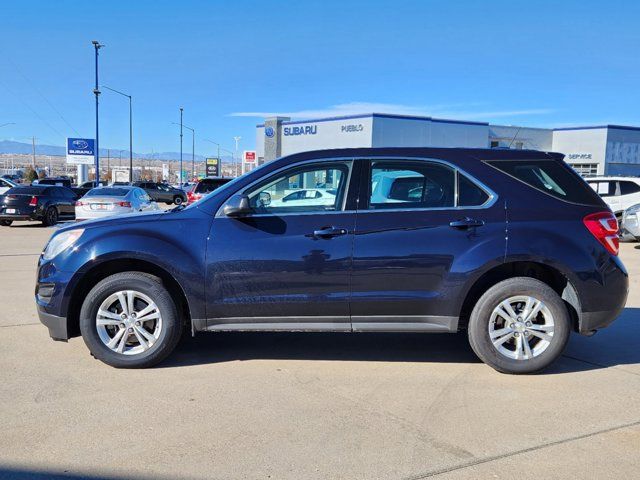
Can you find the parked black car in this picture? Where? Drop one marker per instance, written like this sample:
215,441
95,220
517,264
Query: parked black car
161,192
511,246
46,203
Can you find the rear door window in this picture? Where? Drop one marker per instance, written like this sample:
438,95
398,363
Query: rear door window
550,177
627,187
410,184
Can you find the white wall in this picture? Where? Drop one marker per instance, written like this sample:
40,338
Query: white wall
581,143
345,133
405,132
531,138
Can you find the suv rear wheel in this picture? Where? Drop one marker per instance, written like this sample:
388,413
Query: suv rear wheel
519,325
129,320
178,200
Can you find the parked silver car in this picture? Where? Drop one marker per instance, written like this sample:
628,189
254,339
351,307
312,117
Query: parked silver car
109,201
630,223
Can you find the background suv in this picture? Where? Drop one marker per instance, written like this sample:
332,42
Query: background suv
161,192
511,246
619,193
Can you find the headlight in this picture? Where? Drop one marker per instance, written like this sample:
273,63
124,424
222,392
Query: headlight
61,242
632,210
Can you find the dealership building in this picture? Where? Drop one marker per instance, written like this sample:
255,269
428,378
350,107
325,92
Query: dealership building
591,150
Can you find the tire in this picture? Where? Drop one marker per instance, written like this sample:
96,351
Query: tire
552,318
162,332
50,217
178,200
6,223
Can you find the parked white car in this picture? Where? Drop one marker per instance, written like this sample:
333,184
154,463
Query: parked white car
630,223
306,196
619,193
6,184
109,201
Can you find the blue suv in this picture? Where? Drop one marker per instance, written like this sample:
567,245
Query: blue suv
511,246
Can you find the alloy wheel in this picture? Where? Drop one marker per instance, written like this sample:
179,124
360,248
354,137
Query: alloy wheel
521,327
129,322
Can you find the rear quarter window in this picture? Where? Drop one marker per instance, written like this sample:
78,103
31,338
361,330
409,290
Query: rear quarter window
550,177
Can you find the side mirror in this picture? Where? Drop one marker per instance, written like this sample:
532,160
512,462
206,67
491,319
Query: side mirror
264,199
237,206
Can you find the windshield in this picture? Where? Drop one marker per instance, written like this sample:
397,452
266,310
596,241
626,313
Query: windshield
108,192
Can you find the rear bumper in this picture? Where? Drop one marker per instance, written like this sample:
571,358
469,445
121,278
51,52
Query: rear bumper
58,326
18,217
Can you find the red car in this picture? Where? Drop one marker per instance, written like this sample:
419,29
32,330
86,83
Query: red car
204,187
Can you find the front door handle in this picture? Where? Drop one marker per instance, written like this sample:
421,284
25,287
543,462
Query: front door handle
466,222
329,232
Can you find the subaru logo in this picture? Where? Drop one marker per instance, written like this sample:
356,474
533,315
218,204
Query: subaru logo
80,144
269,132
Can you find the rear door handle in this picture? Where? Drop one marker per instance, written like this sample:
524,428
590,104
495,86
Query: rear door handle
329,232
466,222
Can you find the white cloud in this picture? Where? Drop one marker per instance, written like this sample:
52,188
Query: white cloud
454,111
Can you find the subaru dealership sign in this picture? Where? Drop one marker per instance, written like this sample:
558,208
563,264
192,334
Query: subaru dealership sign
80,151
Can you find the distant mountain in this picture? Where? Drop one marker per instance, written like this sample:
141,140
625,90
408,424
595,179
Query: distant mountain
11,147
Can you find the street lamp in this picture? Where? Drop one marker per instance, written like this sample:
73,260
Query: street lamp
193,147
237,140
181,109
96,92
130,130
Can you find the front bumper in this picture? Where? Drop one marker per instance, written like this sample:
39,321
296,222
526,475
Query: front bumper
58,326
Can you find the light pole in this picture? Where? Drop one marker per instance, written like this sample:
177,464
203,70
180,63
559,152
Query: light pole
237,140
181,109
130,130
96,92
193,147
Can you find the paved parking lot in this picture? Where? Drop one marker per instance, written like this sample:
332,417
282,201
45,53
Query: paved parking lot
300,406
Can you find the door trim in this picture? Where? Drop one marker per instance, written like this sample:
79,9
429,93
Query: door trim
275,324
365,323
404,323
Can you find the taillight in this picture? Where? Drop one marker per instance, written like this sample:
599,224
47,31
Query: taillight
33,202
79,203
193,197
604,226
124,204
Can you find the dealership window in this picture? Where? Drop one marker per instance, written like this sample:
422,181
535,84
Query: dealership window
310,188
585,169
411,185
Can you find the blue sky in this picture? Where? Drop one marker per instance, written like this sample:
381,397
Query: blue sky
535,63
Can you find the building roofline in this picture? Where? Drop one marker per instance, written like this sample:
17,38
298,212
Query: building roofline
597,127
380,115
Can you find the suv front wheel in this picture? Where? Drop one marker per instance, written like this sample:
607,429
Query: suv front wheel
519,325
129,320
